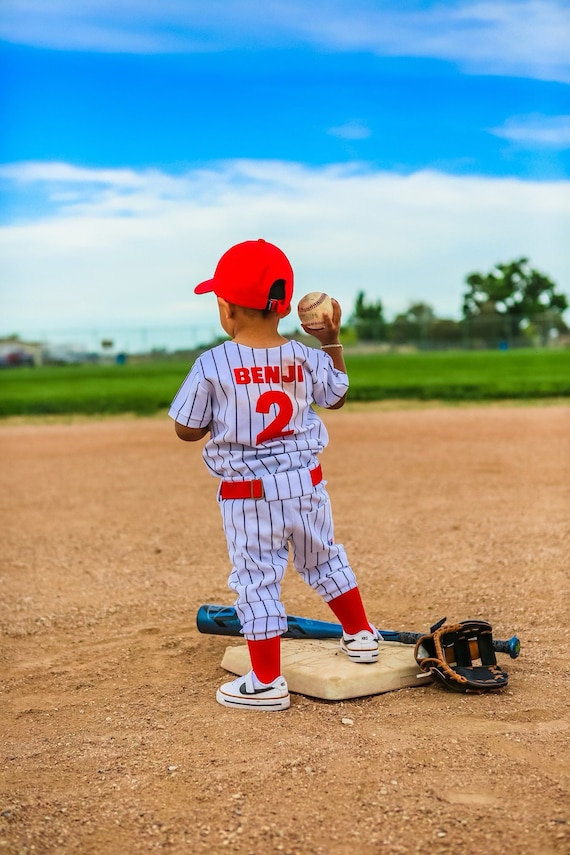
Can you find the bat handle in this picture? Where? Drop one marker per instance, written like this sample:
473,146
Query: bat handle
401,637
512,646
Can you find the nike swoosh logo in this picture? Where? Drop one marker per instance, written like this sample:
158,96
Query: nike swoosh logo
243,690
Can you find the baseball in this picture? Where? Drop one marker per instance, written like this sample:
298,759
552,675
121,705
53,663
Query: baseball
311,309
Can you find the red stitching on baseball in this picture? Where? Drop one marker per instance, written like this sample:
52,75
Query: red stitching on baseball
314,305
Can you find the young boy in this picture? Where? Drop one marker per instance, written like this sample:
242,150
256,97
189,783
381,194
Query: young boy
253,395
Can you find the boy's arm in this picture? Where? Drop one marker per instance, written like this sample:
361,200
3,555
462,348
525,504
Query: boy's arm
335,354
329,339
189,434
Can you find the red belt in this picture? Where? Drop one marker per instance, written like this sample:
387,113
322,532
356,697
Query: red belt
254,489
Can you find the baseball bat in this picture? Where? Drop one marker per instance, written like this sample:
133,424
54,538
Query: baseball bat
214,619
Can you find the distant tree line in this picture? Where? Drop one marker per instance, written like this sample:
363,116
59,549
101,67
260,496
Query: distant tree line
512,305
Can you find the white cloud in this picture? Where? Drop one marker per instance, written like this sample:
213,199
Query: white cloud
513,37
353,130
125,248
536,131
51,173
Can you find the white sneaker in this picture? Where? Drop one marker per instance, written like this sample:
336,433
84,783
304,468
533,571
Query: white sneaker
242,693
362,647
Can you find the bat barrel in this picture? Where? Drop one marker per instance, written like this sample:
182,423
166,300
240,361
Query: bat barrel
306,628
218,620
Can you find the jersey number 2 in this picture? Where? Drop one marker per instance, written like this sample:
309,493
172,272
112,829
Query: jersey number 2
275,428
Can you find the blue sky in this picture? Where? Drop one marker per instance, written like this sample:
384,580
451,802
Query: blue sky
386,147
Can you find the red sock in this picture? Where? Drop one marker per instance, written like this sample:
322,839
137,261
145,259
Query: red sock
349,610
265,656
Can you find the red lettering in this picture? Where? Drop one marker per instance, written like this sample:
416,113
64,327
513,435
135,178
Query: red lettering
272,374
242,375
289,374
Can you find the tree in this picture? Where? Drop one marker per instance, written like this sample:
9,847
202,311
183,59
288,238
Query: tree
509,298
414,326
420,326
446,332
368,319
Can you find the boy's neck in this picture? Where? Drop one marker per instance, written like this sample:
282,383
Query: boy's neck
257,331
260,341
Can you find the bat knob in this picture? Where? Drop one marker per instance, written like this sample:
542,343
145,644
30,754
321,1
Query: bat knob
514,646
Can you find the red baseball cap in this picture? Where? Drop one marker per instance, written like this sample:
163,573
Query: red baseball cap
246,274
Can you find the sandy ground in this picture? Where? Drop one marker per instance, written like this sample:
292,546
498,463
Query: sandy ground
112,741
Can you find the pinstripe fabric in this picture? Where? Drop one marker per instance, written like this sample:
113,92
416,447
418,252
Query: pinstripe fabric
258,535
258,404
211,396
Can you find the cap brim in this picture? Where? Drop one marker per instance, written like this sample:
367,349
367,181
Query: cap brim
204,287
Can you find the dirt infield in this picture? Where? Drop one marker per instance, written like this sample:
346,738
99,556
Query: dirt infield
112,741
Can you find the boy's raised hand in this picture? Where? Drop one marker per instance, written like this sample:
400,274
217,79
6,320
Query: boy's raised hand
331,331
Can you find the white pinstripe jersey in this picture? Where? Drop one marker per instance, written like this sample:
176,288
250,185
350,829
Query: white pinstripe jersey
257,402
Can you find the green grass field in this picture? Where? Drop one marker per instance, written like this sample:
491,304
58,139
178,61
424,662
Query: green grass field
461,375
147,387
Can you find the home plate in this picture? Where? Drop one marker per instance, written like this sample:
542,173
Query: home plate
318,668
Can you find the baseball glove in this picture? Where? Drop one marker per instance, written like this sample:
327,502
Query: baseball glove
461,657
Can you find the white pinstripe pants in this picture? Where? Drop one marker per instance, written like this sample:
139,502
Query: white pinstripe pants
258,534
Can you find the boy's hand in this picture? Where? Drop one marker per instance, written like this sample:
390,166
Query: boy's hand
330,333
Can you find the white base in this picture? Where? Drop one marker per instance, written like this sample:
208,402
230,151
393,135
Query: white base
319,669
